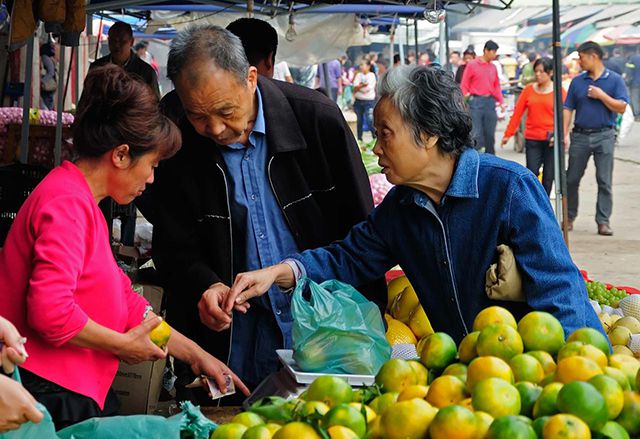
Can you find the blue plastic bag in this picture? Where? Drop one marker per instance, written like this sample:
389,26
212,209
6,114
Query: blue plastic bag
337,330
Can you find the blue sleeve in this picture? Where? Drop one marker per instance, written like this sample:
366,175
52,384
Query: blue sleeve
550,279
570,103
621,90
361,257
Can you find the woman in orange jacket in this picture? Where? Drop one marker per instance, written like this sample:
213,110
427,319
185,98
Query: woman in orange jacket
537,100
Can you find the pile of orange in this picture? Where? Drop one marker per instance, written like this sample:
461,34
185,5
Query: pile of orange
506,379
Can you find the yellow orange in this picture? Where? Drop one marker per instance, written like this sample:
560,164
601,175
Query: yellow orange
467,350
541,331
407,419
446,390
566,427
493,315
496,397
454,422
415,391
487,367
576,369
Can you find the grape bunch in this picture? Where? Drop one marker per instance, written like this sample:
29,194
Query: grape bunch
599,292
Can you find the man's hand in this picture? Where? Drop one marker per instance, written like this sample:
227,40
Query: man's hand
210,308
17,406
256,283
208,365
13,351
595,92
137,346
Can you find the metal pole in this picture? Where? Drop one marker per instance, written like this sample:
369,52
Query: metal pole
26,101
327,81
415,37
558,129
57,152
401,44
442,46
406,40
446,36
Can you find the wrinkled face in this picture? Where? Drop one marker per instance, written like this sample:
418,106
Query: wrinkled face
131,181
217,104
402,161
120,44
542,77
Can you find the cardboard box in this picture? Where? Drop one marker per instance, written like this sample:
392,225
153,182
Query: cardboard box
138,386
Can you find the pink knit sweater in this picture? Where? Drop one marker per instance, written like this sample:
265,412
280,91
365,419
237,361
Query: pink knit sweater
56,271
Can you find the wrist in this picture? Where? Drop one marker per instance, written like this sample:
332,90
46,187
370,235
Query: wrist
284,275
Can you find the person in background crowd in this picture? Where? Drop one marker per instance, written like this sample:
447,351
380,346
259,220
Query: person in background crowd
48,80
142,50
467,56
334,69
397,62
528,75
411,57
17,405
481,84
451,207
61,285
615,62
281,72
454,62
265,168
510,66
373,59
260,42
424,59
364,88
348,75
537,100
121,54
633,78
597,96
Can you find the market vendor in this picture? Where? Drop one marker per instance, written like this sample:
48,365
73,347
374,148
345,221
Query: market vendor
61,285
443,221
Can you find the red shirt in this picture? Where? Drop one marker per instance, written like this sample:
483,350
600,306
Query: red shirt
539,114
480,78
57,271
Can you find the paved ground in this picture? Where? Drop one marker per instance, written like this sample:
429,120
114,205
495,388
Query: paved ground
614,259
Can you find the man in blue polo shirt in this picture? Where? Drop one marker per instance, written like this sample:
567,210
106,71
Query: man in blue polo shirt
597,95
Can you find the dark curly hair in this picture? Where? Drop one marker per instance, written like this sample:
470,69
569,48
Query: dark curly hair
430,102
117,109
547,64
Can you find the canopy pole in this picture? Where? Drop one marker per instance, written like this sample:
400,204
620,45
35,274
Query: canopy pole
446,39
26,101
401,44
442,44
57,152
327,81
558,128
415,38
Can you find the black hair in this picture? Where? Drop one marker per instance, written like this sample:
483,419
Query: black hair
121,26
591,47
258,37
547,64
430,102
532,56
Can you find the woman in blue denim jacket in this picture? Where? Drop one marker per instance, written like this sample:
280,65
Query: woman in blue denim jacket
450,209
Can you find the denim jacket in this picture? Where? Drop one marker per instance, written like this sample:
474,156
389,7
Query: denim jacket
446,249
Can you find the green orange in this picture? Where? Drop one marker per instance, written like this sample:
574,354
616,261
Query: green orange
346,416
546,404
446,390
565,426
496,397
467,350
541,331
499,341
231,430
487,367
454,421
529,394
510,427
407,419
395,375
584,401
630,416
296,430
613,430
591,336
611,392
438,351
526,368
545,359
330,390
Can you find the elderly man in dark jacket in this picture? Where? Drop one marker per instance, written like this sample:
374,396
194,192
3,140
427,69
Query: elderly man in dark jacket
266,168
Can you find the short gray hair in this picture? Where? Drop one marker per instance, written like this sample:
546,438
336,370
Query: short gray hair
430,102
207,43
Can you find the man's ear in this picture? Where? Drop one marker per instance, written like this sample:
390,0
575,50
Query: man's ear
121,156
252,78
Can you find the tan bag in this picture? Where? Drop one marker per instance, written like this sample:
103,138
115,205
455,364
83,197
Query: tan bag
503,281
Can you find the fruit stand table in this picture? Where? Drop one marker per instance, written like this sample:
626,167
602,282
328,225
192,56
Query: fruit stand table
220,415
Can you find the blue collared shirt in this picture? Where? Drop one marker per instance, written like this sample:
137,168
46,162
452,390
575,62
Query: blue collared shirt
261,237
446,249
592,113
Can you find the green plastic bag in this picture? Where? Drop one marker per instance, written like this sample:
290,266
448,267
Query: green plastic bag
44,429
337,330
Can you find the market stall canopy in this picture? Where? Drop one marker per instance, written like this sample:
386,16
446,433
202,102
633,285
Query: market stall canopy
493,19
581,31
630,18
569,16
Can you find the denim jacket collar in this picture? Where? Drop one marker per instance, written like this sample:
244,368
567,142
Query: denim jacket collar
464,183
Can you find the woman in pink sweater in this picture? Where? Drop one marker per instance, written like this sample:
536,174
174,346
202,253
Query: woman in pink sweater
59,282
